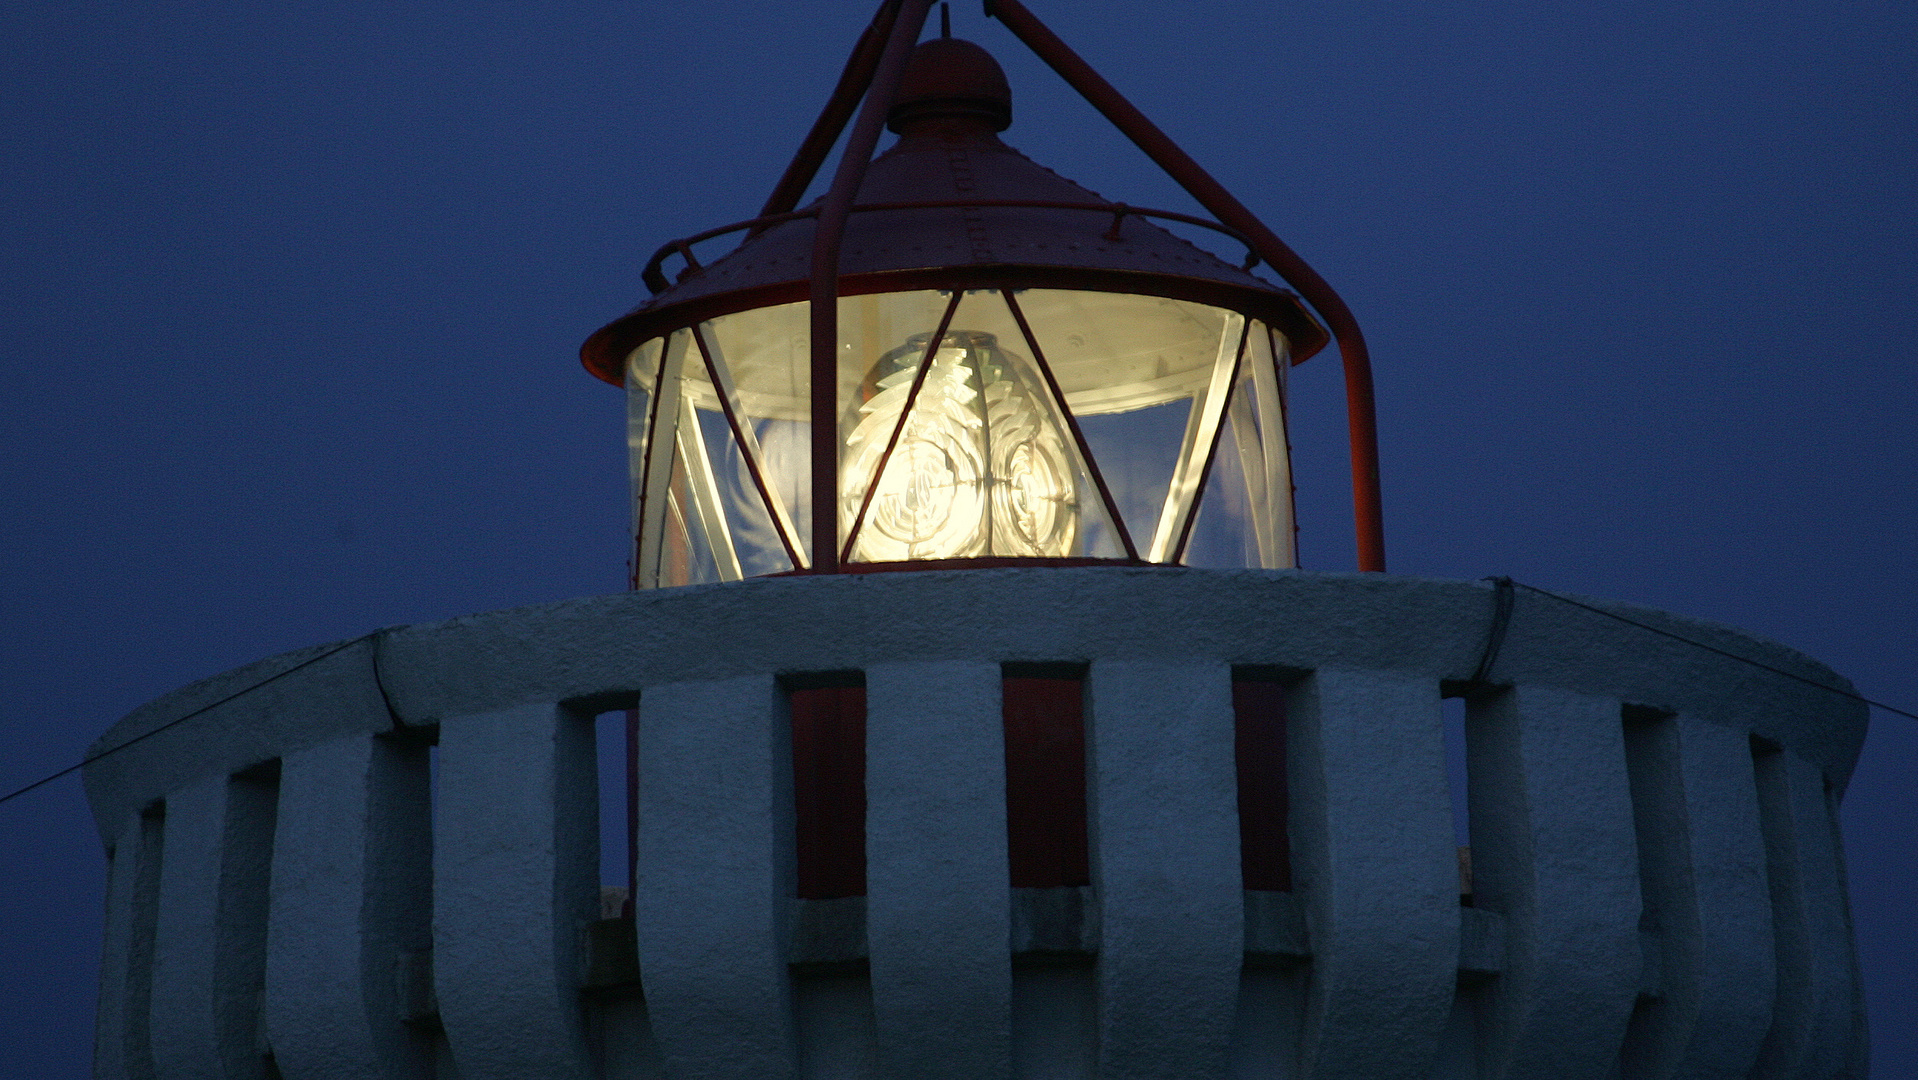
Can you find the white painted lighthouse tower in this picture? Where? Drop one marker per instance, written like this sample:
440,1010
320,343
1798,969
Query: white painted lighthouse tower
982,725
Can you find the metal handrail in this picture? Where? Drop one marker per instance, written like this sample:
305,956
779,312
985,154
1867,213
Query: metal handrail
655,277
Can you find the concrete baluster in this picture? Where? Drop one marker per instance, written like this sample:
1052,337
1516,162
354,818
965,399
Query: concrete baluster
1164,829
210,935
715,877
184,1040
515,879
1814,1030
936,915
122,1047
352,890
1554,851
1702,865
1377,869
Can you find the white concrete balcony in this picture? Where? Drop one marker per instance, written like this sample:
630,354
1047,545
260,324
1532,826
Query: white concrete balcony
1657,890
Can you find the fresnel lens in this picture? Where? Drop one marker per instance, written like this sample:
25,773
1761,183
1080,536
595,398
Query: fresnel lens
969,456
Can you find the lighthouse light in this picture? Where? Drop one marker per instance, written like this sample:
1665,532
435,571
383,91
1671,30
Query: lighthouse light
974,424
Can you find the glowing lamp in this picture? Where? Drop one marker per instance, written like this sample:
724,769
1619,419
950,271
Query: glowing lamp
954,358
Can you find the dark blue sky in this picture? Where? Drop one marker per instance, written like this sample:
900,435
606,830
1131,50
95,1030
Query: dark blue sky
292,301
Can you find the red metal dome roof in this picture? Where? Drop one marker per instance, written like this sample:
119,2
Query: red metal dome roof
952,206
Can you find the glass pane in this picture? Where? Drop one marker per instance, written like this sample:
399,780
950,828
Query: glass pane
662,538
766,353
686,556
1223,534
699,544
1267,361
930,499
1245,517
1137,452
641,369
785,456
985,463
755,541
1115,353
1196,446
1131,368
1041,458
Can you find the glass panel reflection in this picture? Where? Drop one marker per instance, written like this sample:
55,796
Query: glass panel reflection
1245,516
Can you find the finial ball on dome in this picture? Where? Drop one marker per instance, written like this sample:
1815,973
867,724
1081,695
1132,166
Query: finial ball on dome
947,78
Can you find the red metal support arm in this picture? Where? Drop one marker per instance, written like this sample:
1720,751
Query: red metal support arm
1361,416
852,85
827,238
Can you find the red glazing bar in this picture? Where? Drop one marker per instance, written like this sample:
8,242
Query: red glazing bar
1212,451
738,425
853,82
972,562
646,466
825,279
1072,422
1361,417
905,414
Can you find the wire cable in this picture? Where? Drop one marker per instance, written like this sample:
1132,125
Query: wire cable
1494,637
1712,649
178,720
